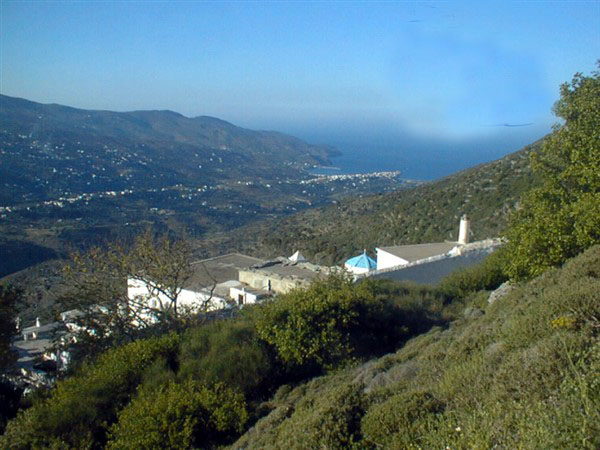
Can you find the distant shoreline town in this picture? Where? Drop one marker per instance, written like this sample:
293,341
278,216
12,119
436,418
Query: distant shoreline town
320,178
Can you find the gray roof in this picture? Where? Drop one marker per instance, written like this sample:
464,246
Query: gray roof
218,270
31,349
43,330
286,269
417,252
431,273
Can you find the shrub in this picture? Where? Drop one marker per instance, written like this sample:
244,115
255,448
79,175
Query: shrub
486,275
325,324
230,352
401,419
80,409
179,416
329,418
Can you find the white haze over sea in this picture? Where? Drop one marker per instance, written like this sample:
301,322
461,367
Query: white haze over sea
420,157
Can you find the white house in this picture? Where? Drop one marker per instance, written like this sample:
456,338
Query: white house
213,285
244,295
145,300
402,255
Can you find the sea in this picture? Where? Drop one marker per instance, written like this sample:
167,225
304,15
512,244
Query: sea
423,159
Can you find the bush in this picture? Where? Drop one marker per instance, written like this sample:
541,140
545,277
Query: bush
330,419
80,409
400,420
10,397
327,323
230,352
179,416
486,275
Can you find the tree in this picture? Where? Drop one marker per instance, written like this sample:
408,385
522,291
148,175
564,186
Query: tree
97,288
561,218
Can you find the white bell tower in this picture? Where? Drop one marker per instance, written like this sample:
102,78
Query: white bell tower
463,232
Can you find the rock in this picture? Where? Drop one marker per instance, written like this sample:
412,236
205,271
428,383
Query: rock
472,313
366,372
400,372
502,290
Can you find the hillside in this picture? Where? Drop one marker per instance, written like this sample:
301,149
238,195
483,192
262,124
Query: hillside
426,213
310,370
52,151
519,373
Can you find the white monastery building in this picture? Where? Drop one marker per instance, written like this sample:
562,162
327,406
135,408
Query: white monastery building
402,255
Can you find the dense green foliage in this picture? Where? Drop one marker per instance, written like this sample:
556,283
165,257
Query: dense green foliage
179,416
81,408
522,374
9,296
232,353
322,324
169,391
400,420
328,418
9,395
562,217
334,320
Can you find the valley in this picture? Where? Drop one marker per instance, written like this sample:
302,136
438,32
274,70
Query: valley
75,178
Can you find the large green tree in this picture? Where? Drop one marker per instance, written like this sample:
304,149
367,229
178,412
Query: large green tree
562,217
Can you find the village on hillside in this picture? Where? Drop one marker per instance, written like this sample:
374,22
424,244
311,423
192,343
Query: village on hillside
234,280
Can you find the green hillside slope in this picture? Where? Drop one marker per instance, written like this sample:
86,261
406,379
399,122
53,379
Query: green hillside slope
519,373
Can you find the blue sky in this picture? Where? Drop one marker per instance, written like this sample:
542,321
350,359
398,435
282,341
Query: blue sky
443,70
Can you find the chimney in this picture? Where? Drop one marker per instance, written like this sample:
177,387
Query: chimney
463,232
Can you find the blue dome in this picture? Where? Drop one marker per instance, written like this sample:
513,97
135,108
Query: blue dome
362,261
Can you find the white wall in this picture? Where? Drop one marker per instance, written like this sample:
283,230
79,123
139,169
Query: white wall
247,297
386,260
355,270
187,301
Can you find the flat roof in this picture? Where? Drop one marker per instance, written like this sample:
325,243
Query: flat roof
31,349
301,270
218,270
417,252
